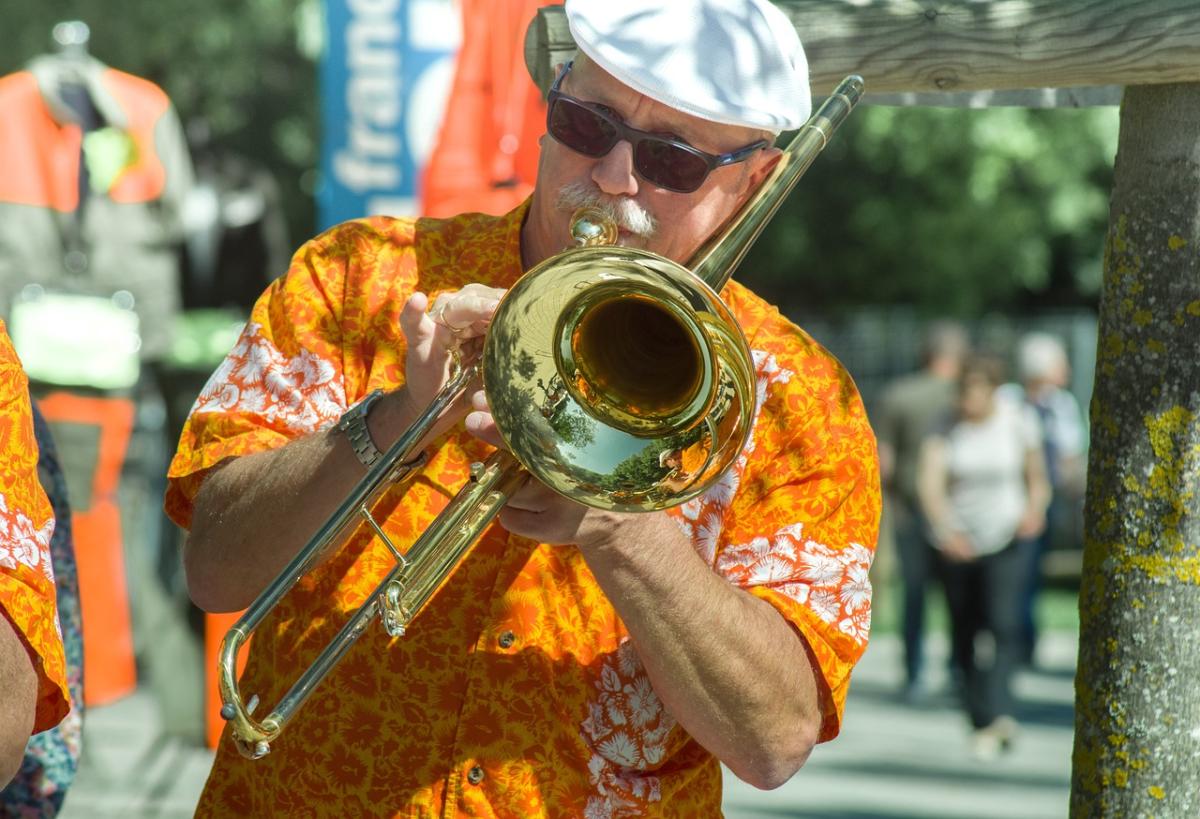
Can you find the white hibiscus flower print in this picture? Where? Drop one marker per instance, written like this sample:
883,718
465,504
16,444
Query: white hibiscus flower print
21,542
644,704
304,393
620,750
706,537
856,595
825,604
819,567
597,808
627,730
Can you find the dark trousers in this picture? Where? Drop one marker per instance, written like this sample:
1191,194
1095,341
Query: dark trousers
918,561
985,595
1031,585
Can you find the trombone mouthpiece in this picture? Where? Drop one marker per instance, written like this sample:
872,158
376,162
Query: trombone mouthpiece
592,226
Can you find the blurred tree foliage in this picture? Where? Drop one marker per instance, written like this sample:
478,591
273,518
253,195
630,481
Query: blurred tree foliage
236,65
956,211
952,210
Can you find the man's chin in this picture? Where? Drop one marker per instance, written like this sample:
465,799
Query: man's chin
626,238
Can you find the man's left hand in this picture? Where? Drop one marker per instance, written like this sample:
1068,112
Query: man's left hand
537,512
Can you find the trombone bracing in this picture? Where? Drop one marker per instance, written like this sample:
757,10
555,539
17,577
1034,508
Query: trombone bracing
615,376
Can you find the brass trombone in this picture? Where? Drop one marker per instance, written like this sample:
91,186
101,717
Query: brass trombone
615,376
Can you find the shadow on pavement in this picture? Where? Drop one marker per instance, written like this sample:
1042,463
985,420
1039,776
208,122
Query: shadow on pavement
793,813
936,772
1045,712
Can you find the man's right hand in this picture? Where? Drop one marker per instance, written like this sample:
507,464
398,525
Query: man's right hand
457,319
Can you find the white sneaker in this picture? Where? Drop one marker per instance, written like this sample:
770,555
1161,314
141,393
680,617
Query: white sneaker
985,745
1006,729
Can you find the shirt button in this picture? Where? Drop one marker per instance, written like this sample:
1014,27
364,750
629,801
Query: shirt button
475,775
507,639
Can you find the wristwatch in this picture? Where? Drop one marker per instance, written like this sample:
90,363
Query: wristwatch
354,423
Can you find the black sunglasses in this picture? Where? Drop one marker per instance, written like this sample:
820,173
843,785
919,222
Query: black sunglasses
660,160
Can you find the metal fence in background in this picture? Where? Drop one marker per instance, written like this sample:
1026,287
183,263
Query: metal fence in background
879,344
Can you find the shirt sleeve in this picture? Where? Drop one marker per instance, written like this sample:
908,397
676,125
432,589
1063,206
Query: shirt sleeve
801,527
886,419
1070,434
1029,428
285,377
27,593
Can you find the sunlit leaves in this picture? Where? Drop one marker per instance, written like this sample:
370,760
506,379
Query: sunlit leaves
952,210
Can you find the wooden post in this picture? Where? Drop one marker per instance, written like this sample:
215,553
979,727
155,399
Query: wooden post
1137,722
915,46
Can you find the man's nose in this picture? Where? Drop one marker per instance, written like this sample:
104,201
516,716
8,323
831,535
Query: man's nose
613,172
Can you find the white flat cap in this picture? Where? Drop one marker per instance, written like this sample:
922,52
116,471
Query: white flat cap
735,62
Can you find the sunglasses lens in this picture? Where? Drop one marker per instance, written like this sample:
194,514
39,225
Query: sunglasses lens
580,128
669,165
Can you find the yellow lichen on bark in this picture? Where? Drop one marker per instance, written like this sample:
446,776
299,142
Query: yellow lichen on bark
1171,433
1140,586
1160,567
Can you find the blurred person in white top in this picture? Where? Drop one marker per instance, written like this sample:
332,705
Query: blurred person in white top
981,480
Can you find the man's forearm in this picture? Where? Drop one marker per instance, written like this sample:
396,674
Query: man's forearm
256,512
726,664
19,683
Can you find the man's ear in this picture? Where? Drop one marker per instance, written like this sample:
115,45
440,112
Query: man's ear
764,163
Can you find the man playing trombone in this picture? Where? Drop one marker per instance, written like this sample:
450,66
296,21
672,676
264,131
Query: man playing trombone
577,662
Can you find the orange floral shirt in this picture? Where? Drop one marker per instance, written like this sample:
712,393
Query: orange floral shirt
516,692
27,594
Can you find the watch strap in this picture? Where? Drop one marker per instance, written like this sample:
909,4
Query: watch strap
354,424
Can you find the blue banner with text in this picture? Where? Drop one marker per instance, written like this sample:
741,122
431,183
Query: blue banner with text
385,74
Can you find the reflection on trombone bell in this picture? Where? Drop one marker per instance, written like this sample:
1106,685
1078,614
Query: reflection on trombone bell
615,376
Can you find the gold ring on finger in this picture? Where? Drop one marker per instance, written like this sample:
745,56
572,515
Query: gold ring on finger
439,316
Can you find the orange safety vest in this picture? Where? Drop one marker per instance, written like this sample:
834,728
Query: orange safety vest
40,155
485,159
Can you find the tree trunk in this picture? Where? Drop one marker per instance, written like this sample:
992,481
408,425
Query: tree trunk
1137,723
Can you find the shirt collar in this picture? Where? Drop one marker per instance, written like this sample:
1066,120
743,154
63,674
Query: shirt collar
52,71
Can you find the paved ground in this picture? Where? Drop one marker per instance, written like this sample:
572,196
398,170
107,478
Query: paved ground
892,761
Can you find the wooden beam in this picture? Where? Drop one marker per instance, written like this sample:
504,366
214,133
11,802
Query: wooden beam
924,46
1079,97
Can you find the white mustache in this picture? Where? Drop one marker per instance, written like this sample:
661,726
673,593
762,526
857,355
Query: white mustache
626,213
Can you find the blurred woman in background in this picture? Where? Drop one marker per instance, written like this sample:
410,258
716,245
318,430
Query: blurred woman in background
982,485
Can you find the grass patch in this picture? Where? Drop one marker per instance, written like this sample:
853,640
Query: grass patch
1056,609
